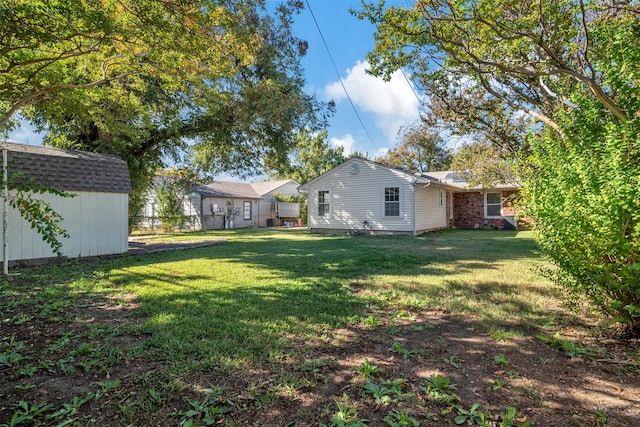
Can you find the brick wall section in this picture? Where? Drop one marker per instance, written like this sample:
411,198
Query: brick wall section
468,211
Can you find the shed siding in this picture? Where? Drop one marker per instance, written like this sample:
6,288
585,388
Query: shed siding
96,222
355,198
430,214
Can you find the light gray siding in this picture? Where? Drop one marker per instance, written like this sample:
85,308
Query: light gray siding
267,206
96,222
215,210
356,194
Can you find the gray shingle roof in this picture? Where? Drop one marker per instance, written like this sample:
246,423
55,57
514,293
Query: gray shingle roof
224,189
68,170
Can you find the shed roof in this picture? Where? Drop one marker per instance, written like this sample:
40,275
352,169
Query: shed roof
68,170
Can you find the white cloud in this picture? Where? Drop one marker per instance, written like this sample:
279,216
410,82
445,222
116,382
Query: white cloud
346,142
393,103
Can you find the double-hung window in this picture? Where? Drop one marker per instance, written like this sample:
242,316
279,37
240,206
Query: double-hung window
392,201
323,203
493,205
246,210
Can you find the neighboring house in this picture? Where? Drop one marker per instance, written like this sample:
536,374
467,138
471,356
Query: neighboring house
362,195
212,206
96,218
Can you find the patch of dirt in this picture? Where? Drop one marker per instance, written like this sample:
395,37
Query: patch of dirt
142,246
547,386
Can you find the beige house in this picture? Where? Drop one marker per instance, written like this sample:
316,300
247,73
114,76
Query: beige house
96,218
362,195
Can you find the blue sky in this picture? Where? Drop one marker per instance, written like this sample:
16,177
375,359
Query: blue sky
382,106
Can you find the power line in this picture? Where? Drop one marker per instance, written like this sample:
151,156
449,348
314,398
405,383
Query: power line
335,68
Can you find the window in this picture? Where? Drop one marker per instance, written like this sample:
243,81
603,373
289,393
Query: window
441,198
392,201
323,203
493,205
246,210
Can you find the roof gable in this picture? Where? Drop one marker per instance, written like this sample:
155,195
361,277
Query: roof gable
447,179
266,187
68,170
225,189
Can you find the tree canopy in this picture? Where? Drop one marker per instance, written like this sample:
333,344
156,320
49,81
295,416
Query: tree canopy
555,86
420,149
216,83
312,156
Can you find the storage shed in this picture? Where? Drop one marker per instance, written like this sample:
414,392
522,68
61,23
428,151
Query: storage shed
96,218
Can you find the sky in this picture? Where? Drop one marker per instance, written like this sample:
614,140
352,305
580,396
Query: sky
382,106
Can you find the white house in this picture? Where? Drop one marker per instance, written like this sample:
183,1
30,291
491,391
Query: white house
248,205
363,195
96,218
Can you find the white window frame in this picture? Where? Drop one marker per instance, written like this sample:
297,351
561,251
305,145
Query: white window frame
487,204
244,210
385,201
441,198
326,212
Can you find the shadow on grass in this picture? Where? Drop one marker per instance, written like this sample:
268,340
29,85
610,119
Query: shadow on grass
253,310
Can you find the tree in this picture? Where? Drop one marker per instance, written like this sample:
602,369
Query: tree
312,156
21,194
217,83
569,67
420,149
483,164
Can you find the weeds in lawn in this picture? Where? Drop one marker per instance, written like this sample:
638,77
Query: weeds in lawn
471,415
569,347
24,412
11,356
70,409
501,334
400,418
498,383
509,418
388,391
439,388
347,417
422,327
244,311
398,348
207,411
453,360
500,360
367,369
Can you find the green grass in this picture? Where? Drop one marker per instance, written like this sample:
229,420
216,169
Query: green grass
237,301
253,300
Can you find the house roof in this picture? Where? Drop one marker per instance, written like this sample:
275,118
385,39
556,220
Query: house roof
68,170
454,179
240,190
449,179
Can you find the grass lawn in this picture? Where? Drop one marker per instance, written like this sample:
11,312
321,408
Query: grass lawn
280,327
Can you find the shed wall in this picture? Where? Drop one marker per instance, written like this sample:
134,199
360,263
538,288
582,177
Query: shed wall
96,222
